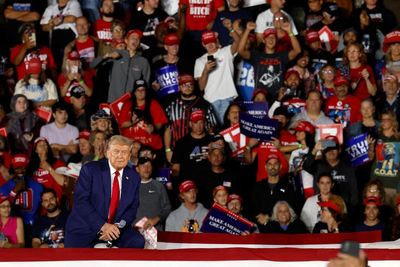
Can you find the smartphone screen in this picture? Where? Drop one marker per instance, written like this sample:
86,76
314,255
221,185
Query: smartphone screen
350,248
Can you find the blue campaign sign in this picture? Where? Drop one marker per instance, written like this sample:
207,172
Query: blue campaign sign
221,220
260,128
162,175
167,77
259,109
357,150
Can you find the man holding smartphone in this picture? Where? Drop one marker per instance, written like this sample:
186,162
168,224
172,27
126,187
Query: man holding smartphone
214,71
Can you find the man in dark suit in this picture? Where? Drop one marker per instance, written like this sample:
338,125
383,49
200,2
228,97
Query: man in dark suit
107,193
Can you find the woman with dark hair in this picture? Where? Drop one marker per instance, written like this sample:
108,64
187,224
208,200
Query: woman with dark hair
44,168
22,125
231,116
356,68
36,86
143,118
331,220
11,227
305,136
370,37
311,211
371,221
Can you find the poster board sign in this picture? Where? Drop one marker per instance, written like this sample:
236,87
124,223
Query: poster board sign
222,220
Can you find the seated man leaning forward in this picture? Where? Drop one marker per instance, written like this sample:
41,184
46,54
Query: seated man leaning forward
106,199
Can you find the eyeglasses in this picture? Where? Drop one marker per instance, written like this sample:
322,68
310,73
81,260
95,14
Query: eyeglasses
354,51
116,152
279,18
5,206
328,71
187,85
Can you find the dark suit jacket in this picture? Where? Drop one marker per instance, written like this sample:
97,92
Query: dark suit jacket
92,197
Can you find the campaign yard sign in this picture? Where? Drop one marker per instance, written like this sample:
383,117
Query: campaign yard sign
357,150
258,109
222,220
162,175
167,77
260,128
237,141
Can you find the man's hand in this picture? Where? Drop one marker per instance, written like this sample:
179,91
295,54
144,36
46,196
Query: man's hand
345,260
109,232
210,65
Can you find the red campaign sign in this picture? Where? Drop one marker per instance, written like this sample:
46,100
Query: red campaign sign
3,132
325,130
117,105
237,141
328,38
43,113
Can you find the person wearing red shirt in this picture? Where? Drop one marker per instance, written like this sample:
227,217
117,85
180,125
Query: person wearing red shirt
342,107
143,118
102,26
356,69
84,44
29,48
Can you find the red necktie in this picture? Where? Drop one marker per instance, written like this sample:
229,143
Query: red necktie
114,198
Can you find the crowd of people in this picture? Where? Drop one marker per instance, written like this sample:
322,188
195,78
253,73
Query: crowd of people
165,79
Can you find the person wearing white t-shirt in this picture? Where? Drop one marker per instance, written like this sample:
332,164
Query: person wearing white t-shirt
265,19
62,137
59,19
214,70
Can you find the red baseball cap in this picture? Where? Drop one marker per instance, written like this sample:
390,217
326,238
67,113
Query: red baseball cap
330,204
373,200
84,134
197,115
219,188
20,160
208,37
291,72
272,156
34,66
305,126
171,39
186,186
312,36
138,32
341,80
233,197
268,32
74,55
391,38
185,78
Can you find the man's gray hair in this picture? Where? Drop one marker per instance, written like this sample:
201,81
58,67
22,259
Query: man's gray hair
120,140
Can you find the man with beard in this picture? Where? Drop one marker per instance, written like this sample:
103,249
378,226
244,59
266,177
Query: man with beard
268,192
179,108
23,193
48,231
102,26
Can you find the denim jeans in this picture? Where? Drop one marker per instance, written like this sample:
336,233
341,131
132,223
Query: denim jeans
220,107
